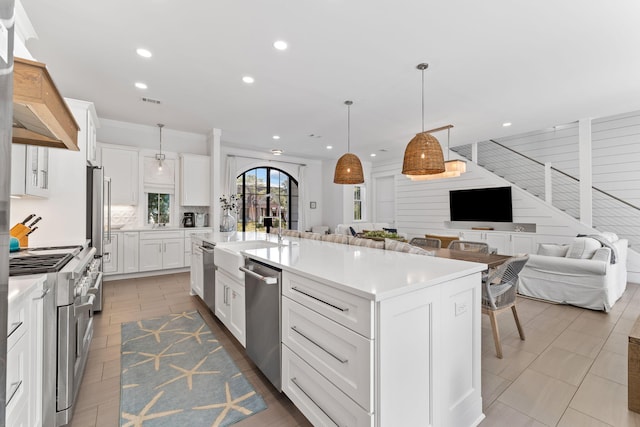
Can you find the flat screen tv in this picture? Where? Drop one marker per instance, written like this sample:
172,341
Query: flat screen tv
481,204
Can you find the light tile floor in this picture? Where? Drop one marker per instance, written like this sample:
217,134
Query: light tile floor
570,371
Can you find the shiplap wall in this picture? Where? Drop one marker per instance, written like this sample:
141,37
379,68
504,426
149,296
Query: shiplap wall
423,206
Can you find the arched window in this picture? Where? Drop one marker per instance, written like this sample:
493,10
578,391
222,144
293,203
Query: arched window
254,207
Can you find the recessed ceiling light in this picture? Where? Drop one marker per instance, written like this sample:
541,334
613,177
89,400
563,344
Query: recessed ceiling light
506,124
144,53
280,45
277,151
329,147
373,154
141,85
276,137
248,79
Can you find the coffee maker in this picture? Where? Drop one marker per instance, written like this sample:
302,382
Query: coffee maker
188,220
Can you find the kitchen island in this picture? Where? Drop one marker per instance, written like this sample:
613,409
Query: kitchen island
374,337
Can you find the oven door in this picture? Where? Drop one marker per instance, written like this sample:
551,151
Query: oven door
75,330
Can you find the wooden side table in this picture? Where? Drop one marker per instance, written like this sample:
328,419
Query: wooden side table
634,368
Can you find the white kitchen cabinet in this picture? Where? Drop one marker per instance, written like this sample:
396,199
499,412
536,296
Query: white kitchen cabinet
197,273
85,114
161,250
29,171
230,308
110,260
188,259
121,165
195,180
503,242
25,354
130,251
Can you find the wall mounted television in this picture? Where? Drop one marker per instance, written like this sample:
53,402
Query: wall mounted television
481,204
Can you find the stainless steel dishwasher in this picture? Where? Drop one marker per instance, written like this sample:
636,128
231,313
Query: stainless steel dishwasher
208,276
262,284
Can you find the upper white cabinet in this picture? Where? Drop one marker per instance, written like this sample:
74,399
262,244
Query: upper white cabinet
29,170
195,180
85,114
121,165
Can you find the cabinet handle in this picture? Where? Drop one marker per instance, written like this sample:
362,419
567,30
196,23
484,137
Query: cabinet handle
13,390
14,327
343,309
303,335
293,380
44,294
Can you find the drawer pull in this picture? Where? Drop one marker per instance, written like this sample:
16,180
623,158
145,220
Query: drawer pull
14,327
16,386
338,358
44,294
319,300
293,380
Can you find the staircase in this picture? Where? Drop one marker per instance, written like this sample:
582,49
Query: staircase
609,212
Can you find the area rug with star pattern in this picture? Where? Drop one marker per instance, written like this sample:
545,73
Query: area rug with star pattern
175,373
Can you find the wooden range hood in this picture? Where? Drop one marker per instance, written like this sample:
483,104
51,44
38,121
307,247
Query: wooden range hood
40,114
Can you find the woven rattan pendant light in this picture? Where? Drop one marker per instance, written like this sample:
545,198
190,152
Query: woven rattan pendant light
453,168
423,155
348,168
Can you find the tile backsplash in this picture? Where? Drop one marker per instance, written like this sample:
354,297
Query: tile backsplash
127,216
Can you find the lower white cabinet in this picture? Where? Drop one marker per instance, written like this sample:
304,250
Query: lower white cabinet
25,358
130,252
110,264
197,273
161,250
230,307
413,359
503,242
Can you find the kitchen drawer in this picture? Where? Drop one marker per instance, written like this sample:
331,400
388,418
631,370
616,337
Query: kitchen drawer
17,382
350,310
146,235
344,357
17,323
319,400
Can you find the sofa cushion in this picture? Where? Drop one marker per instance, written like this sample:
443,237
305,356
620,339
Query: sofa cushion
552,249
611,237
583,248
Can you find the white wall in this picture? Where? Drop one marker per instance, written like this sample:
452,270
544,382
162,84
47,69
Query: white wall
310,190
143,136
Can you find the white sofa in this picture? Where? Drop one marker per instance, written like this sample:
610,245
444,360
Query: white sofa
359,227
591,272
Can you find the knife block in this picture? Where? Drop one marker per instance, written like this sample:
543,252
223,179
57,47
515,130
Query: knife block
20,231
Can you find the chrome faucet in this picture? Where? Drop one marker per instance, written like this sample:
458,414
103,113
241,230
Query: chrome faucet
279,217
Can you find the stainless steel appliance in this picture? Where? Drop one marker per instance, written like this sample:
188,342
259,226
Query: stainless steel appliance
208,275
68,321
188,219
6,114
262,286
98,222
201,219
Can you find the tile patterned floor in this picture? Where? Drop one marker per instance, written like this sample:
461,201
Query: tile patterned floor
570,371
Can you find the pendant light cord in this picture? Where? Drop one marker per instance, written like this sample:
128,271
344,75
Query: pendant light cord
422,99
348,104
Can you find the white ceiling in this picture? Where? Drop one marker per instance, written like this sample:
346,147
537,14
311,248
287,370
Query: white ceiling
535,64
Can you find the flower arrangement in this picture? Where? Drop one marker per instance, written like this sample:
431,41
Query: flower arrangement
229,203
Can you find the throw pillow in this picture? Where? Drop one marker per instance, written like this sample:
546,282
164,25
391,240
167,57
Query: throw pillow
612,237
552,249
583,248
353,232
394,245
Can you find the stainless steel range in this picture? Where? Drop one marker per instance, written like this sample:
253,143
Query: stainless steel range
73,281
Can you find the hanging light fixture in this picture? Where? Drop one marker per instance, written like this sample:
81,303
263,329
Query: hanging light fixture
423,155
160,156
348,168
453,168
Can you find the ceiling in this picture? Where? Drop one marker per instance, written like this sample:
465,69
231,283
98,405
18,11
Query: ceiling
534,64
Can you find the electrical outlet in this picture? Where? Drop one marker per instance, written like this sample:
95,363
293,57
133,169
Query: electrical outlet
461,308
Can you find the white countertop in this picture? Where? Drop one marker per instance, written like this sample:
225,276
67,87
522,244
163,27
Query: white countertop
20,287
372,273
187,229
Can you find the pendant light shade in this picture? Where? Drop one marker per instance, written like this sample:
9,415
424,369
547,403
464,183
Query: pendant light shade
349,168
452,168
423,155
